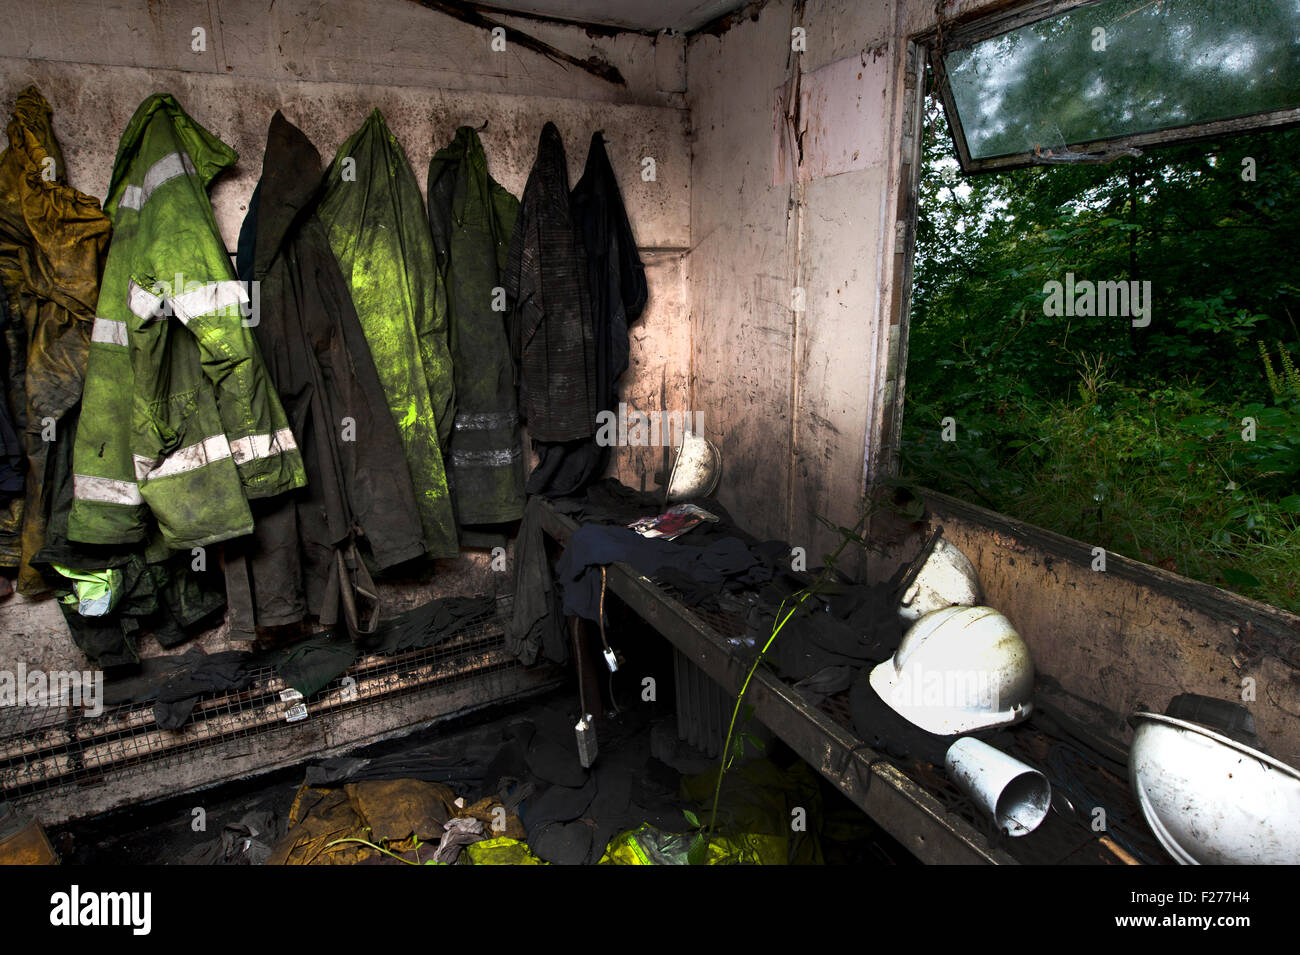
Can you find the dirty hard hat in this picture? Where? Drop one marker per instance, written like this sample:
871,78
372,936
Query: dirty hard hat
696,470
958,670
946,579
1212,800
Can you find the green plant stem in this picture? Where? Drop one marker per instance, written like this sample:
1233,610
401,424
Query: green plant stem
372,846
799,597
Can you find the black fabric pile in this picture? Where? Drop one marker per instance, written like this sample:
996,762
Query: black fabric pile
571,813
202,673
246,841
704,570
429,624
887,732
853,627
462,770
309,665
608,501
165,597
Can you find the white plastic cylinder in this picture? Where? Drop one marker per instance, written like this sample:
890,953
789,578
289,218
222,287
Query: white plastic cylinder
1016,795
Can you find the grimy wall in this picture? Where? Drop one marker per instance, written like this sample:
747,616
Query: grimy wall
326,65
799,160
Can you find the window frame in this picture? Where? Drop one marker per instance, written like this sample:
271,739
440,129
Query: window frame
940,41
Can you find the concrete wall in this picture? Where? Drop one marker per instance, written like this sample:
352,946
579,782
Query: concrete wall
326,65
791,393
801,399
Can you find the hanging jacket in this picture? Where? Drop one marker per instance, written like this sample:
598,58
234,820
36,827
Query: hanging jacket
15,400
616,275
472,217
181,422
358,486
170,595
616,282
550,320
375,217
52,244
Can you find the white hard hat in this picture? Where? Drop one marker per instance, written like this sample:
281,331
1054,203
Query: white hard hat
1211,800
946,579
958,670
696,470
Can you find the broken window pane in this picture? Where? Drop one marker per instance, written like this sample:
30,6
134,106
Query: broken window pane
1123,68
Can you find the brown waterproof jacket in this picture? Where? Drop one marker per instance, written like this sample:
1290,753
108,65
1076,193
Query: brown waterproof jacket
53,240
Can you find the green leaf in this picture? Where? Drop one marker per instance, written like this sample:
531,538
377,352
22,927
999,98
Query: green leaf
1239,578
699,850
691,818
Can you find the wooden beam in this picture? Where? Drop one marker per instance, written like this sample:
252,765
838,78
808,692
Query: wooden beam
469,13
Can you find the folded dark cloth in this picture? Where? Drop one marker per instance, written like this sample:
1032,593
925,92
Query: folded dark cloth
558,804
827,682
429,624
563,843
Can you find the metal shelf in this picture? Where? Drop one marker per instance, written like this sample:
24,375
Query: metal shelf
911,814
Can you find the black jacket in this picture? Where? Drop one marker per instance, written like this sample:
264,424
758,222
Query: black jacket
547,284
616,287
615,273
358,487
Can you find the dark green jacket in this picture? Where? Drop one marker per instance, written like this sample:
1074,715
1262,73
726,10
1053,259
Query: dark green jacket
377,228
359,490
472,217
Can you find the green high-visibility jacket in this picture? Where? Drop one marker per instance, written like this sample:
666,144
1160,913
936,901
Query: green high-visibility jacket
180,421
